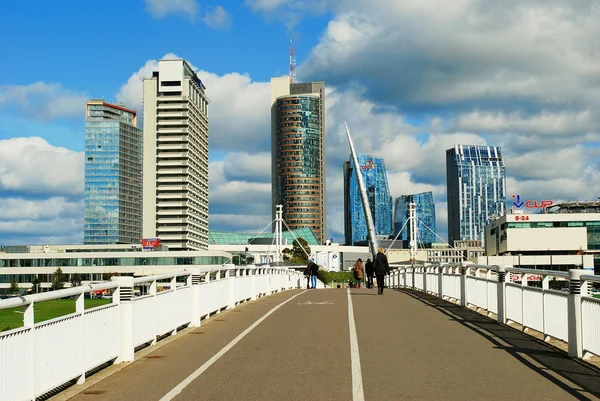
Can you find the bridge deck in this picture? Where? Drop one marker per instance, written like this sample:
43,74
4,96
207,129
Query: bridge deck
412,346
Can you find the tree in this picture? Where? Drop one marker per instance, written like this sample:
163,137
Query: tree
36,282
58,279
75,280
299,252
14,287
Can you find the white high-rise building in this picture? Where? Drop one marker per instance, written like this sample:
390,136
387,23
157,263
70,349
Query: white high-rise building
176,157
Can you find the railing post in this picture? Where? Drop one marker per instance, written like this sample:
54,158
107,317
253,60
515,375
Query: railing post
231,286
574,313
253,273
501,294
464,268
441,270
196,318
124,293
425,268
80,309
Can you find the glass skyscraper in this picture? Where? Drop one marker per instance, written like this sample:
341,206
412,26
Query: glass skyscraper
298,153
380,200
113,175
426,228
476,181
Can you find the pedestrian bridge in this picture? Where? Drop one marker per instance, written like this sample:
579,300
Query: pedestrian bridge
460,332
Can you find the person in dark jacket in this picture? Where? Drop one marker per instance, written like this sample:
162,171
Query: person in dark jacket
307,274
314,269
370,271
381,269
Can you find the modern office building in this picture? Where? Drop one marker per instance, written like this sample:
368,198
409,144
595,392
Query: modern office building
176,157
113,175
475,177
298,153
425,213
564,236
380,201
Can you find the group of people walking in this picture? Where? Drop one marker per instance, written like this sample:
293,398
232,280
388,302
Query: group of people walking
378,268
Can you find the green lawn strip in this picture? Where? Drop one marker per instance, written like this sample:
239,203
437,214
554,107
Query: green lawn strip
13,317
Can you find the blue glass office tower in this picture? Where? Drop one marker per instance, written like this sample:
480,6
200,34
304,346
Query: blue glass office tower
113,175
476,182
380,201
426,229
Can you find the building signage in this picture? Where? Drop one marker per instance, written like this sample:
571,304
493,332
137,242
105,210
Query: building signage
149,244
530,204
368,166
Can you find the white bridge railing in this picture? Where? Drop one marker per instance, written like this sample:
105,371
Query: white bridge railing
572,317
39,357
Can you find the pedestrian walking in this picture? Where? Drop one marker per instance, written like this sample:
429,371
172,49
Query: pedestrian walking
370,271
382,268
314,270
307,274
360,271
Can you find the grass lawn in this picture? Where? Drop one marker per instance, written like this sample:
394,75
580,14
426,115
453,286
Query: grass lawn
13,317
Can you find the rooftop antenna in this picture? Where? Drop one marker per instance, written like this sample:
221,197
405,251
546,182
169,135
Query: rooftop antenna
292,63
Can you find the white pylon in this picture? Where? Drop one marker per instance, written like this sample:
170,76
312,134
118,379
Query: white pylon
278,233
412,216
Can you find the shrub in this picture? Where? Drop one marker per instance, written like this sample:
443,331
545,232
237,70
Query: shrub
339,277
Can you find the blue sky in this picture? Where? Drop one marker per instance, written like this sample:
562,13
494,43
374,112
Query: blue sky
412,78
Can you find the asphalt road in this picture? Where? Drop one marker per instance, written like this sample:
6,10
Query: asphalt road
412,346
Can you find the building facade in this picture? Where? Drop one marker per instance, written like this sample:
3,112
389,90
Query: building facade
475,177
553,241
176,157
375,179
113,175
425,212
298,153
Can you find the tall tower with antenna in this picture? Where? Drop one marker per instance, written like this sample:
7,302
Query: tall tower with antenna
292,63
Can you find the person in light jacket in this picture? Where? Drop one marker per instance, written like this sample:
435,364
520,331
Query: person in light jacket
360,272
382,268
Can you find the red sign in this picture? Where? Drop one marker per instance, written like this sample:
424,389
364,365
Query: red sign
369,165
149,244
531,204
521,218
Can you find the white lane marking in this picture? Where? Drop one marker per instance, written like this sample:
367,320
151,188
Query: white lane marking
179,388
358,393
316,303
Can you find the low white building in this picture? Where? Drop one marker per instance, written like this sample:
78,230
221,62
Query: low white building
556,239
97,262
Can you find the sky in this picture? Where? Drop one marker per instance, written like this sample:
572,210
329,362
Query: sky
411,78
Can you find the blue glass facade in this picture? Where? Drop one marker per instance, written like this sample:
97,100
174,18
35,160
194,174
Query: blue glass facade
113,181
380,200
426,227
476,182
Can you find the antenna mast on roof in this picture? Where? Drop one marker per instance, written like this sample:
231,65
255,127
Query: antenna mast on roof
292,63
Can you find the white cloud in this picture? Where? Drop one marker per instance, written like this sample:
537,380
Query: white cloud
527,57
39,210
43,101
288,11
217,18
239,109
33,166
162,8
248,167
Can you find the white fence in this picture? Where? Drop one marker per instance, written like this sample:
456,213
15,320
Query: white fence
573,316
40,357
